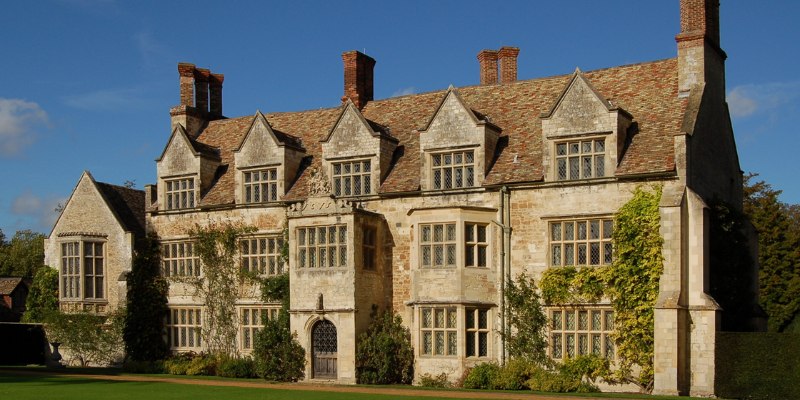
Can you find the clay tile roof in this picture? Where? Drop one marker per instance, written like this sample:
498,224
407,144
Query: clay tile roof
128,204
7,285
647,91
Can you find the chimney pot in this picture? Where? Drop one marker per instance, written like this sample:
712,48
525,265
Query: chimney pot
358,77
487,59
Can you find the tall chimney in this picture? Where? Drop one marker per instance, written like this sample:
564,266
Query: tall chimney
186,73
700,58
488,64
358,77
215,85
508,63
201,89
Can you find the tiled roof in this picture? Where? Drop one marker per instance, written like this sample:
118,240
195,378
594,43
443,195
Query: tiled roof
128,204
7,285
648,91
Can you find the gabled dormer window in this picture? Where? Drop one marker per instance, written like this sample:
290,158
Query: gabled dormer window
582,159
260,185
352,178
453,170
179,193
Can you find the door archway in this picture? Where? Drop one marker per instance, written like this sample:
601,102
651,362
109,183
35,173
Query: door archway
324,349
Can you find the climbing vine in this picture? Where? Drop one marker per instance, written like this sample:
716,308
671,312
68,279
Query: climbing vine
527,321
216,244
569,285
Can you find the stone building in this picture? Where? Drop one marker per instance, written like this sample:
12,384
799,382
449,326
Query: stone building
423,204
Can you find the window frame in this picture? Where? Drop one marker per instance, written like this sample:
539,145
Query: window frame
562,246
449,331
185,330
186,260
428,245
180,198
73,270
467,170
476,250
597,157
311,251
268,263
560,347
269,185
341,179
474,333
369,247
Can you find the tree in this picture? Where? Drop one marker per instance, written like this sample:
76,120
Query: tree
146,304
43,295
23,255
778,251
384,354
526,320
89,339
277,353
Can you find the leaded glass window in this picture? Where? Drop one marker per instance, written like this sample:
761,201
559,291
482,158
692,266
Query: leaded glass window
183,328
438,245
453,170
575,332
352,178
477,326
261,185
178,259
580,159
322,246
438,331
180,193
581,242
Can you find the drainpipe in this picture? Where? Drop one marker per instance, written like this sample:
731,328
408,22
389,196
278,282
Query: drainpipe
507,233
505,241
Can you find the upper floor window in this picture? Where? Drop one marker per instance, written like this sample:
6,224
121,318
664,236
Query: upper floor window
581,242
438,245
261,185
352,178
453,170
475,245
262,255
322,246
180,193
178,259
82,270
368,248
580,159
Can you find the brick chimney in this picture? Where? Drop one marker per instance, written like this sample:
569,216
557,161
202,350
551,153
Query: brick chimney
487,60
201,89
508,63
358,77
215,85
186,82
700,57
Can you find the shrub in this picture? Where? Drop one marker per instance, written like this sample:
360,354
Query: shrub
232,367
89,338
514,375
204,364
144,367
437,381
481,376
43,295
146,304
543,380
384,353
277,354
587,367
178,363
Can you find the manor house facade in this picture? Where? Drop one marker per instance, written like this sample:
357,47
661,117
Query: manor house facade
424,204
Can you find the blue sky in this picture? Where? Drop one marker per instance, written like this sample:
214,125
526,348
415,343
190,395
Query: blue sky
87,84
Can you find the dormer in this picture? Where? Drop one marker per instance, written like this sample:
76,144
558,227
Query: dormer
457,146
185,169
266,162
357,153
583,134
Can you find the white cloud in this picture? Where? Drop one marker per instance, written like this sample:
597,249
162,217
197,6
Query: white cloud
748,100
404,91
18,122
107,99
151,50
40,209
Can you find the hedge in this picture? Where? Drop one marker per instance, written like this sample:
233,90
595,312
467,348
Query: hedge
758,365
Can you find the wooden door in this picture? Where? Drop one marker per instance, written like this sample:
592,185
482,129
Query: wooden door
323,338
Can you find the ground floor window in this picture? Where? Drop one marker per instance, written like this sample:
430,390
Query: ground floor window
581,331
476,324
251,320
439,331
183,328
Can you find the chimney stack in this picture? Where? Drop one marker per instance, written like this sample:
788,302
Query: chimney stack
701,61
215,85
488,64
201,89
508,63
358,77
186,82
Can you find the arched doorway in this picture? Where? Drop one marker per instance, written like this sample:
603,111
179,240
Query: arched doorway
323,357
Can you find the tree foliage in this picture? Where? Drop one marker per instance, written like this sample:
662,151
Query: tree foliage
277,353
146,304
632,283
219,285
384,354
778,251
23,255
526,320
569,285
43,295
88,339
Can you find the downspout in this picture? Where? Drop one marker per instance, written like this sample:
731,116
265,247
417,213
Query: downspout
503,277
507,250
